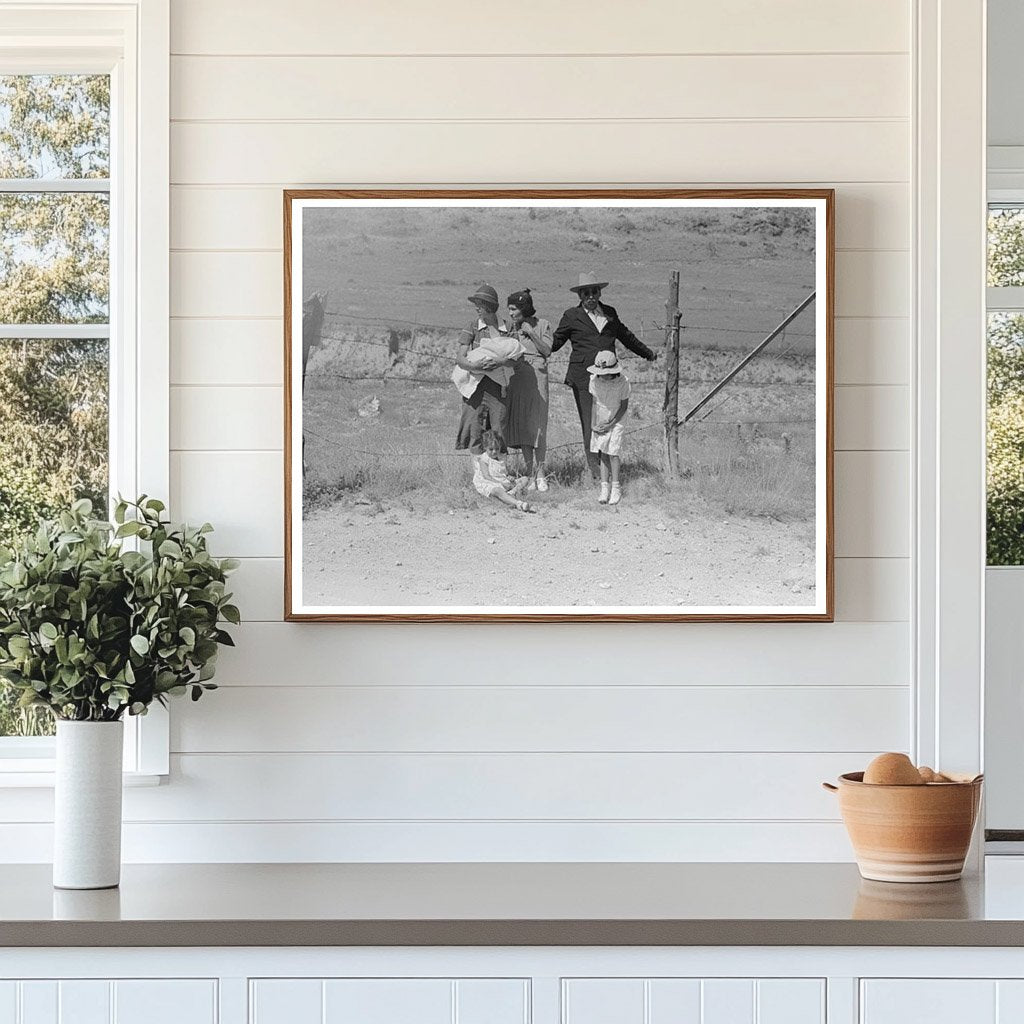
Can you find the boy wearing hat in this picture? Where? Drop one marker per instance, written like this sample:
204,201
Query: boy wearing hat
589,329
609,389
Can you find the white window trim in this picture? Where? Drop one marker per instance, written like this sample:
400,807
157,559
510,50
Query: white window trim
949,444
131,41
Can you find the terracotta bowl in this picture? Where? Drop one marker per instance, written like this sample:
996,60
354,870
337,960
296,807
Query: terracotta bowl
909,833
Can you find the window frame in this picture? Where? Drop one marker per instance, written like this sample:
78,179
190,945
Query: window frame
1005,298
130,41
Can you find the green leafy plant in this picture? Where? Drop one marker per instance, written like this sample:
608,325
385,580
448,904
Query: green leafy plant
92,630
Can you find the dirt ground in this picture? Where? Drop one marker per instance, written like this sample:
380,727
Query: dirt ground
572,551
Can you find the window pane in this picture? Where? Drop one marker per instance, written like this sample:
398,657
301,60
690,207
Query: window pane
54,257
1005,246
54,126
53,449
1005,439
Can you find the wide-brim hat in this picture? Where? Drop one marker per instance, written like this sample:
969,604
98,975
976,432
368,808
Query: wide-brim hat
485,293
588,281
605,362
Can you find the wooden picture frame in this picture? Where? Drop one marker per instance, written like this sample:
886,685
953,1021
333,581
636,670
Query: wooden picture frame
368,323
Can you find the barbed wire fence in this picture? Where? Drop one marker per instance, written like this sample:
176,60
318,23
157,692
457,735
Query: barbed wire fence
399,340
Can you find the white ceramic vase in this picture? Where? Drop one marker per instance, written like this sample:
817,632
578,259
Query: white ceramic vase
87,806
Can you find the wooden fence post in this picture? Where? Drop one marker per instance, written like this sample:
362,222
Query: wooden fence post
672,318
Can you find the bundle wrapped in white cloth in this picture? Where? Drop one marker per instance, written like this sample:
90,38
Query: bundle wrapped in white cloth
503,347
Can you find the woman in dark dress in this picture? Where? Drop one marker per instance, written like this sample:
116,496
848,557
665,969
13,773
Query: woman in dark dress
487,407
527,425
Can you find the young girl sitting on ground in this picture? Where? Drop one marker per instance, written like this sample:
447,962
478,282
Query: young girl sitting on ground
610,388
491,477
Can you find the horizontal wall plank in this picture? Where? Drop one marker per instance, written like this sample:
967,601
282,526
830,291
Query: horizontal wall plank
872,418
241,493
749,654
873,283
872,590
459,842
242,787
492,719
872,350
322,26
867,589
258,586
242,418
869,350
829,86
227,352
239,217
872,504
238,418
868,216
238,284
653,151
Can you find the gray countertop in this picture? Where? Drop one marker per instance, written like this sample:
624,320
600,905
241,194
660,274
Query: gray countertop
501,904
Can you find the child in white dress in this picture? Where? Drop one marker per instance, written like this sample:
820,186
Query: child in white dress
610,388
491,476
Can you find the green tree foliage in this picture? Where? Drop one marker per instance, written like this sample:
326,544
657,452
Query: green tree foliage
54,269
1005,247
54,443
1005,481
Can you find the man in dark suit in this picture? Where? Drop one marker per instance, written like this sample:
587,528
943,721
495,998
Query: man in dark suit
591,327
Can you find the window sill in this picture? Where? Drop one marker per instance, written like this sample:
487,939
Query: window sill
39,774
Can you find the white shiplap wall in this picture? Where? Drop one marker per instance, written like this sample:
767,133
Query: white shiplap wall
682,741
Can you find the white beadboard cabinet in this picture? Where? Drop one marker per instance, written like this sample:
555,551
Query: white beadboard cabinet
513,985
942,1001
108,1001
389,1001
696,1000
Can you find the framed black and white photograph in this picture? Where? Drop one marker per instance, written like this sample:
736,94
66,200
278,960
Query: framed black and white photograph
558,405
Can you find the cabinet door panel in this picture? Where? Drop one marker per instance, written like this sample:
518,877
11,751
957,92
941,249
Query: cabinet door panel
1010,1002
674,1000
165,1002
791,1001
84,1002
928,1001
694,1001
728,1001
285,1001
492,1001
603,1001
38,1002
8,1002
388,1001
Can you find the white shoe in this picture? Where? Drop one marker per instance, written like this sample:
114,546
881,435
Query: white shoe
616,496
603,496
542,482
